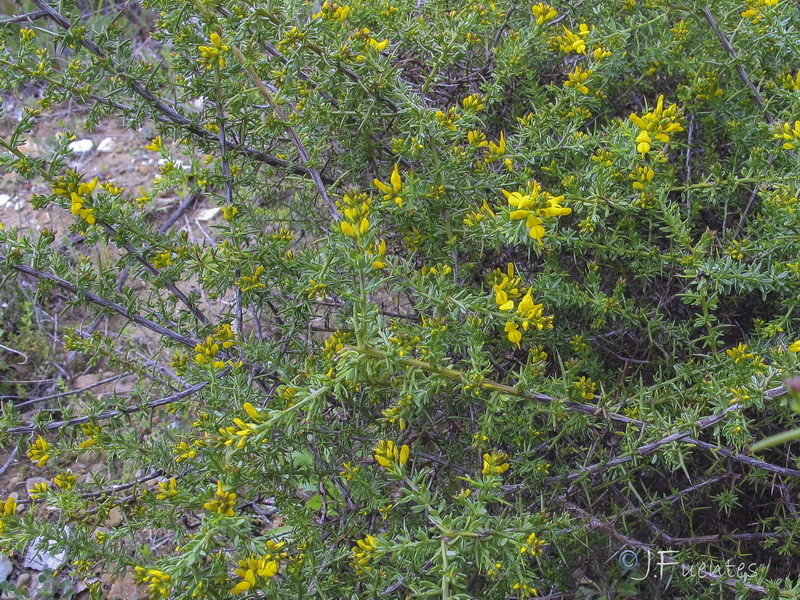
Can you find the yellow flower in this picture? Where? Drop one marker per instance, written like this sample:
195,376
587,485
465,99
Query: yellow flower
158,582
223,333
65,480
790,135
514,334
795,347
162,260
495,463
222,503
739,353
660,122
573,42
577,78
206,352
364,552
535,206
38,490
168,489
641,176
497,150
77,194
252,568
544,13
229,212
389,456
246,283
27,34
533,545
586,387
448,119
92,431
393,189
754,9
473,102
39,452
331,11
155,144
9,507
212,55
184,452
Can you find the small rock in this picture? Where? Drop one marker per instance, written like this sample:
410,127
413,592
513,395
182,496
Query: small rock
32,481
114,518
85,381
23,580
207,214
39,559
5,200
30,147
124,587
106,145
5,568
81,147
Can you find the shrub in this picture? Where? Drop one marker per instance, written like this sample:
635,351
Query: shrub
498,297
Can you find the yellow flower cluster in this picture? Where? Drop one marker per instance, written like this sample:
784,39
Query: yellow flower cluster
641,176
290,38
495,463
389,456
496,151
524,590
791,82
65,480
184,452
240,430
207,352
9,507
331,11
659,123
755,8
38,490
790,135
448,119
506,289
392,190
533,545
78,193
474,217
543,13
370,43
577,79
356,209
222,503
573,42
158,582
212,55
92,432
534,206
155,145
247,283
167,489
39,452
739,353
259,567
473,103
379,252
364,552
586,388
795,347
